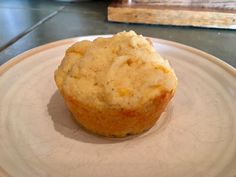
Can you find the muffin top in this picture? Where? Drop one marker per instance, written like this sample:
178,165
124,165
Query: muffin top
123,71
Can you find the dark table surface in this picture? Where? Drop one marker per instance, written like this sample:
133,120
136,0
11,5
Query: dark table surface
25,24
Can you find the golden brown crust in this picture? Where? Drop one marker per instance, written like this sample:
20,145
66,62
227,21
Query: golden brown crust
119,122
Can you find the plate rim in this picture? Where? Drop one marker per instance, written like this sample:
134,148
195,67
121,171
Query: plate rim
26,54
15,60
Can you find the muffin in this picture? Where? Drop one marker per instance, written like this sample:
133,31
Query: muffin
115,86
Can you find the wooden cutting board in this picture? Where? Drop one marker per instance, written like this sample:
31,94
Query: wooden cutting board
211,14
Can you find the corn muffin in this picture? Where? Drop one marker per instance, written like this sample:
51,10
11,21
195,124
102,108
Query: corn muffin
115,86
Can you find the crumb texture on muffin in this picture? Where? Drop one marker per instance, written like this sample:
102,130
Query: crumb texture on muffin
115,86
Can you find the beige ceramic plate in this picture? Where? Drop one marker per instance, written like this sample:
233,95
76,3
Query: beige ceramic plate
196,136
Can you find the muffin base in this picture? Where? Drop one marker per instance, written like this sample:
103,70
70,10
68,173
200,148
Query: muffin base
118,122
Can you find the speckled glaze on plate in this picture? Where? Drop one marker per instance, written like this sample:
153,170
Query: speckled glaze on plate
195,136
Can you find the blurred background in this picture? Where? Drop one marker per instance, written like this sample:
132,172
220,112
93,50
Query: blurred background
26,24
